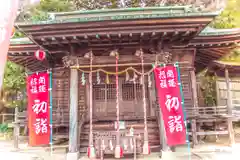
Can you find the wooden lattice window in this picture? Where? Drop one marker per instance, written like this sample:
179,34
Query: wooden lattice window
128,92
111,91
104,91
132,91
99,92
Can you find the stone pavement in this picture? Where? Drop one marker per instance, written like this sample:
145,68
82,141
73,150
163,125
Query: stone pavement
201,152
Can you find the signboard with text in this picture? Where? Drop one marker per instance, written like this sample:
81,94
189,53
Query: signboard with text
169,94
38,109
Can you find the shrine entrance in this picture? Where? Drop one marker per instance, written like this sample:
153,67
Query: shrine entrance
130,100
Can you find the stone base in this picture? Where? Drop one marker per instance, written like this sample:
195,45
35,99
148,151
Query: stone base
72,156
91,152
146,148
118,152
168,155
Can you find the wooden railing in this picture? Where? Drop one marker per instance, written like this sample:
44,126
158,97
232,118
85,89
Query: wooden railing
6,118
60,117
236,107
82,119
207,111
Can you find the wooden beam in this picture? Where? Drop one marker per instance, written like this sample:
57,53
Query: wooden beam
90,29
221,50
220,38
148,58
176,36
217,42
207,53
43,39
94,32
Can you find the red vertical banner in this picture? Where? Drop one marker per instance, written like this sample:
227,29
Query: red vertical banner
170,102
38,109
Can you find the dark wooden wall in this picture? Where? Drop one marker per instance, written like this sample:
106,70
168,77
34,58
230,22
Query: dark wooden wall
131,94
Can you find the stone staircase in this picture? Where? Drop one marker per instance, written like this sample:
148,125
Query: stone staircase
138,125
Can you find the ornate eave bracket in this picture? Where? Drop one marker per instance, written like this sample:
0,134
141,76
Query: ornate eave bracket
164,57
69,61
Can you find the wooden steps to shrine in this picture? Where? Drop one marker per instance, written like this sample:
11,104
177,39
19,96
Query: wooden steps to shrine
138,125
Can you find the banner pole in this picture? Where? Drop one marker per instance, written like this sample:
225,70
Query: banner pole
183,107
51,114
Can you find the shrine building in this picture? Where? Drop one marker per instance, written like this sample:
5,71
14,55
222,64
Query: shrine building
87,50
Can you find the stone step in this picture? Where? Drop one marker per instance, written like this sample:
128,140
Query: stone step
154,149
154,136
111,126
138,125
152,142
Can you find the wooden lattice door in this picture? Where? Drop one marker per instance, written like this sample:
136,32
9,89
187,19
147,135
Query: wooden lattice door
104,100
130,100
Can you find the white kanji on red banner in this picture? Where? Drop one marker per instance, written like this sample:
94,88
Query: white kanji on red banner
41,126
175,124
33,85
172,102
39,107
163,83
171,83
162,75
170,74
42,84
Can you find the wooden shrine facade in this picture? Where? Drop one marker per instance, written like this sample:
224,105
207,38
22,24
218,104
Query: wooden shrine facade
86,49
227,70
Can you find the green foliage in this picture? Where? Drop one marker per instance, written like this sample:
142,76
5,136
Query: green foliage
18,34
103,4
208,87
233,57
13,85
229,17
95,4
3,128
14,77
40,12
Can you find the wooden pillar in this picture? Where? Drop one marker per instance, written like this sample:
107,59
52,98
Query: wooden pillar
229,108
145,144
91,149
163,137
16,129
195,106
73,116
118,147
